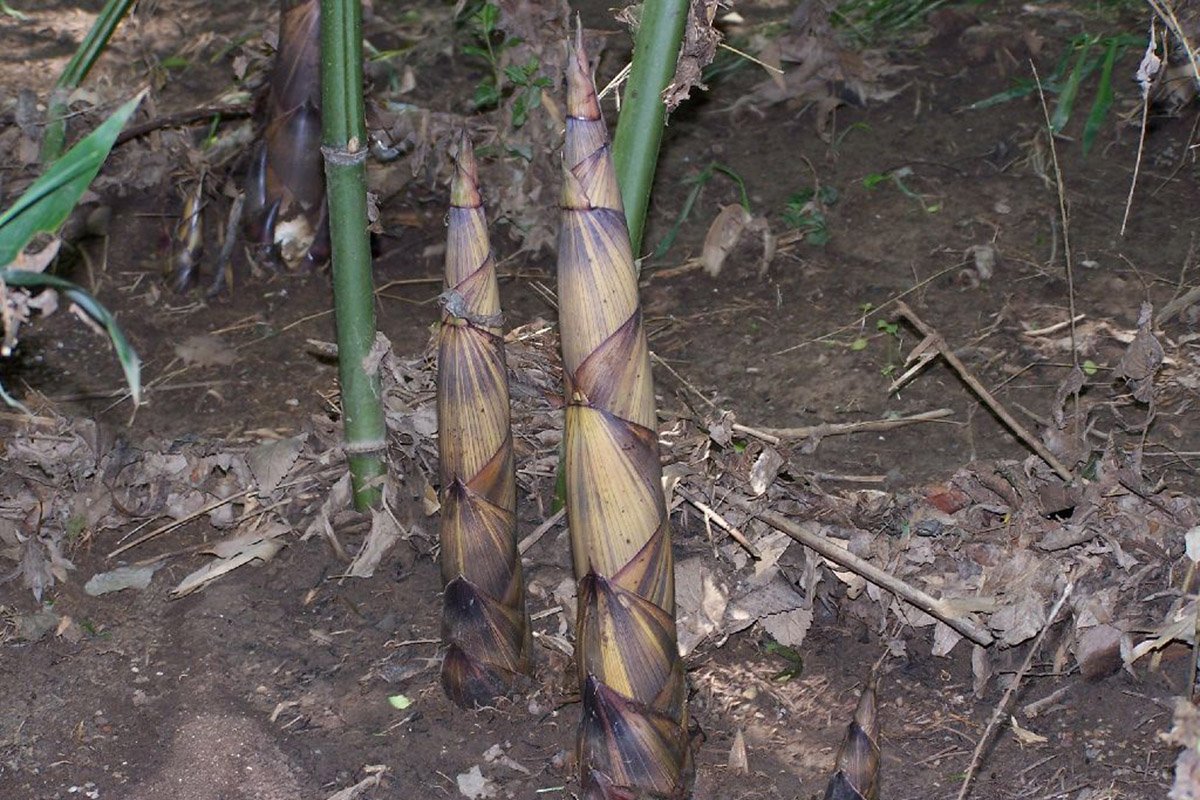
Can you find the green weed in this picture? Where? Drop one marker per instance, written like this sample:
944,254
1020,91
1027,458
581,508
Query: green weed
897,177
805,212
522,82
1085,54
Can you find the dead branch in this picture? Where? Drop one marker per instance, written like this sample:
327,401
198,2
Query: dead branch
181,118
841,428
722,523
932,606
933,345
1000,710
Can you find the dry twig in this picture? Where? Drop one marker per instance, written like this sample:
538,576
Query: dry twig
932,606
999,712
934,344
840,428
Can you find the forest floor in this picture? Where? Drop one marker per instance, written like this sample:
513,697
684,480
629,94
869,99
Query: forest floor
287,679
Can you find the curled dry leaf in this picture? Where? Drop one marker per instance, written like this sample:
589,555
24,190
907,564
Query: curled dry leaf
1142,358
726,230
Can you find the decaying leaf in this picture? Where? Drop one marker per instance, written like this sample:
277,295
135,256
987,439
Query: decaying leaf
385,532
205,350
271,461
1142,359
473,785
822,68
699,47
260,544
133,577
724,233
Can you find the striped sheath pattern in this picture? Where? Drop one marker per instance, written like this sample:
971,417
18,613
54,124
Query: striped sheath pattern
632,741
485,626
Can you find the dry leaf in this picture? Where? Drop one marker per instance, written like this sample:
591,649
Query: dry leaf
723,235
205,350
1024,736
385,532
270,462
258,545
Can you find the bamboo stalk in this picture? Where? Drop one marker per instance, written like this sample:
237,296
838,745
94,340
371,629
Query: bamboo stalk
633,735
345,151
485,625
643,113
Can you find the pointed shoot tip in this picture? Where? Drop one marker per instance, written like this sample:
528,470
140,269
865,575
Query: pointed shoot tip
464,187
581,92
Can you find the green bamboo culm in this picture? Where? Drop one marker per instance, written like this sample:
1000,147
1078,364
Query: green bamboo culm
643,113
54,139
345,151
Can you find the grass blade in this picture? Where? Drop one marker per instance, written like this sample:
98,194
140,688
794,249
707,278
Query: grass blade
131,365
1104,97
1066,100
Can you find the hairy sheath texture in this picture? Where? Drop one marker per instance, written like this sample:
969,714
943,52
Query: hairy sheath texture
484,623
285,193
632,741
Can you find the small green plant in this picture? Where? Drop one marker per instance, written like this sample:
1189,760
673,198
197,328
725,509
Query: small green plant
522,82
698,182
1085,54
897,177
488,44
890,331
794,662
527,85
805,212
42,209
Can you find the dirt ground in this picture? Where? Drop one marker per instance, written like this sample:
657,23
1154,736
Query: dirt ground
274,682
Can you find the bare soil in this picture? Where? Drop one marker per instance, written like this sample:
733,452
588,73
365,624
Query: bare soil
274,682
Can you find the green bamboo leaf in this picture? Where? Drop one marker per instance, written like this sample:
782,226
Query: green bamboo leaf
131,365
46,204
1104,97
1066,100
81,63
1022,89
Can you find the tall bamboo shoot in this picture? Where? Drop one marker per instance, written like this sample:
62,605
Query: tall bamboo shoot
632,741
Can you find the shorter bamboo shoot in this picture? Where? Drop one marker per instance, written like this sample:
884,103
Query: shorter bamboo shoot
484,623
